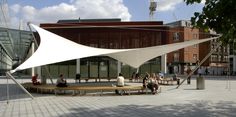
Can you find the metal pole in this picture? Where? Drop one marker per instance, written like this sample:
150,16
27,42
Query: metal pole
7,91
229,75
229,65
8,75
206,57
37,47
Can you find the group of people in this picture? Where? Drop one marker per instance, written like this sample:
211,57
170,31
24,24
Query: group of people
151,82
61,82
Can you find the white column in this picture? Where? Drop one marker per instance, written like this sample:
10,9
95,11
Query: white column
77,66
179,69
234,63
163,63
39,72
137,70
32,51
118,67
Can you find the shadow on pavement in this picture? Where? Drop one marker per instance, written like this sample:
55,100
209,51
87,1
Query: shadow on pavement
193,109
15,92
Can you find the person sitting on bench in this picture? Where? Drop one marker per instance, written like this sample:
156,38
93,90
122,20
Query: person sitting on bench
35,80
153,84
61,82
120,82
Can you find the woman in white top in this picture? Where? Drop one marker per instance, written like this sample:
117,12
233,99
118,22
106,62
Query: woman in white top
120,83
120,80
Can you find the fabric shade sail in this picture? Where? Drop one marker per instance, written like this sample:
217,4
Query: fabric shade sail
137,57
54,48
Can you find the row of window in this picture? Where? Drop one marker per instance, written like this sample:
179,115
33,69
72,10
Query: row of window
176,36
176,57
219,58
224,49
101,67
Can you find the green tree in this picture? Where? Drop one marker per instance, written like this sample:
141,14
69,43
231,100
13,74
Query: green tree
218,15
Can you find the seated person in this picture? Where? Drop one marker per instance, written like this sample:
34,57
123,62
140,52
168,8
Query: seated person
35,80
61,82
152,85
161,75
145,79
77,77
120,82
137,76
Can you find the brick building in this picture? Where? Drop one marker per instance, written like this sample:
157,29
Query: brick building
216,64
177,61
115,34
107,33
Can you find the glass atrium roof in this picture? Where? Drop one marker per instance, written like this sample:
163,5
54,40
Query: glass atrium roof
15,42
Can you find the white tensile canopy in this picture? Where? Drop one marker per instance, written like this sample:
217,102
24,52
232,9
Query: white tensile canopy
54,48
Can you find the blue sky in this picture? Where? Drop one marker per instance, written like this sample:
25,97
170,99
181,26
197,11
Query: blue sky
46,11
140,11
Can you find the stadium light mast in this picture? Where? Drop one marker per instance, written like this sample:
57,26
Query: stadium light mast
152,9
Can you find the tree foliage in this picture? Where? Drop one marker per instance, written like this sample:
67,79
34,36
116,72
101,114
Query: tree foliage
218,15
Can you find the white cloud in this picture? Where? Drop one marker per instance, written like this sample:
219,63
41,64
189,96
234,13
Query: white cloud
166,5
15,8
73,9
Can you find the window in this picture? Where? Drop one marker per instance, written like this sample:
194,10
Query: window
176,57
195,36
188,24
213,57
176,36
219,49
195,56
225,58
219,58
195,46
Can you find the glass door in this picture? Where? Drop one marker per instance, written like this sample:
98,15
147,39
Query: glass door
93,68
103,69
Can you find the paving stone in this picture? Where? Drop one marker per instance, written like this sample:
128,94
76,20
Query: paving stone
218,99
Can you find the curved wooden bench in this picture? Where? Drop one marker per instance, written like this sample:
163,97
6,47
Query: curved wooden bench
100,89
168,81
76,88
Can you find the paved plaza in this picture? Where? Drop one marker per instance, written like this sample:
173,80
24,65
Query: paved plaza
217,100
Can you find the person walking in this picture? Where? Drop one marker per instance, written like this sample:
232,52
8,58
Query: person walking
189,77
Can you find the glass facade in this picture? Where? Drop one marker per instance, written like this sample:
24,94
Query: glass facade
14,47
100,67
5,61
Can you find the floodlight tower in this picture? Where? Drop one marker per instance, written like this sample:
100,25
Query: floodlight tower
152,9
4,16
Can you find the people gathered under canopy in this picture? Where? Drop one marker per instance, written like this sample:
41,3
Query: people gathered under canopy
150,82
